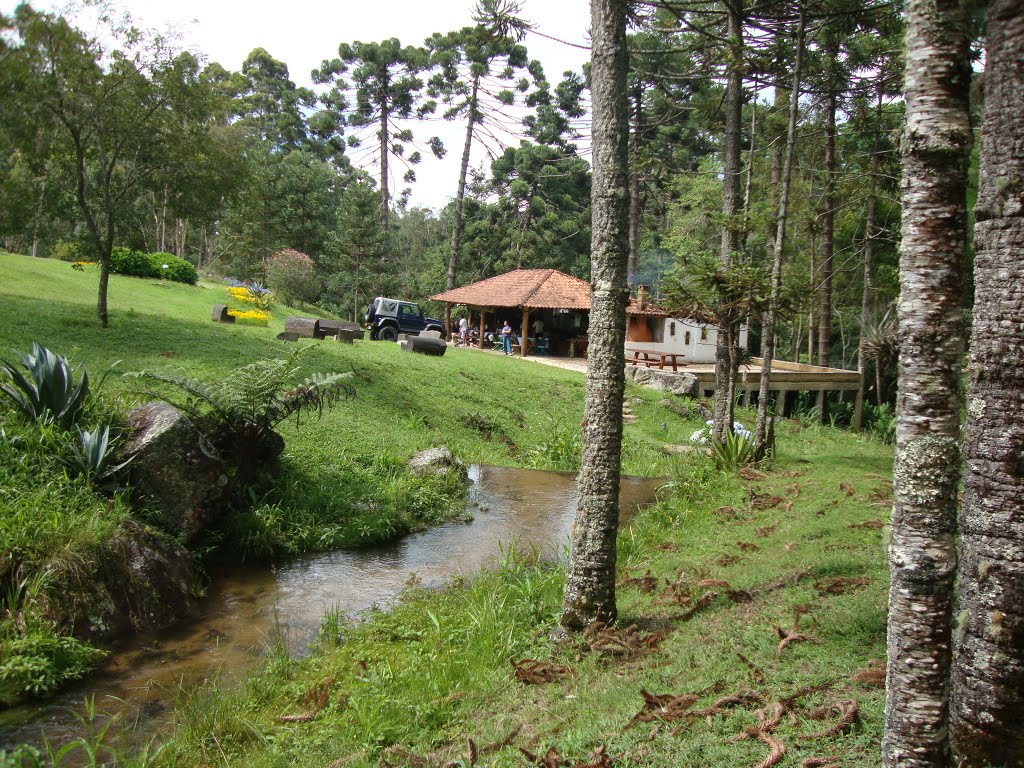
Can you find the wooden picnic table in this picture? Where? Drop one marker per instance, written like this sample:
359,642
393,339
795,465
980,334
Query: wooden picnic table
652,358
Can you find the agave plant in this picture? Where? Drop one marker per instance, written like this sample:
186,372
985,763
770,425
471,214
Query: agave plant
48,392
93,455
735,451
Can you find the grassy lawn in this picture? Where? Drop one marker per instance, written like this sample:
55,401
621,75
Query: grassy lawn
708,576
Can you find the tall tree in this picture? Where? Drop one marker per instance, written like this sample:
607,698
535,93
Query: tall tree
988,662
385,86
922,554
590,586
118,117
479,71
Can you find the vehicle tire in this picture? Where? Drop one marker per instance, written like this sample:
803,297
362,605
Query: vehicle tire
388,333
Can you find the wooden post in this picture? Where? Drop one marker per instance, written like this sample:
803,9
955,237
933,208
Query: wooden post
858,408
525,331
448,320
480,338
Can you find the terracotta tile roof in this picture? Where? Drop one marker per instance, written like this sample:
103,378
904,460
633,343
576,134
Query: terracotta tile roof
533,288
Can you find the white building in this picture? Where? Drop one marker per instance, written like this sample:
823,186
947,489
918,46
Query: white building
650,327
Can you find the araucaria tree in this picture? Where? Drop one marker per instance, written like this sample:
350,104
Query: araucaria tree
987,697
383,86
590,586
922,555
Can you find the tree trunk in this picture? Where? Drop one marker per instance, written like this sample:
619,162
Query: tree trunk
453,255
725,374
385,196
870,225
762,434
827,235
634,186
590,585
922,554
37,219
988,657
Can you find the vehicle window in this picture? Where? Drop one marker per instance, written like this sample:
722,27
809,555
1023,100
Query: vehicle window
409,310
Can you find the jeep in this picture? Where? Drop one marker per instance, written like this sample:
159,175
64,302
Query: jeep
386,318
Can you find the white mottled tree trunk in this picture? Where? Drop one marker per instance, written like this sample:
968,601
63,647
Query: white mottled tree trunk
590,587
987,699
922,555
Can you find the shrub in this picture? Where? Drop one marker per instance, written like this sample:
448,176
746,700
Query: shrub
170,267
70,251
128,261
291,276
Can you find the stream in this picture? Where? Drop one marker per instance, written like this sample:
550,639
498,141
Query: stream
248,608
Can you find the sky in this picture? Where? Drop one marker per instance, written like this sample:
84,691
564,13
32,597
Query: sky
302,33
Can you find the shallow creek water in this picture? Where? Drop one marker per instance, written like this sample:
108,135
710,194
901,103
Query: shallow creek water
247,609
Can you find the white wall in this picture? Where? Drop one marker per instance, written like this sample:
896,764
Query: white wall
698,350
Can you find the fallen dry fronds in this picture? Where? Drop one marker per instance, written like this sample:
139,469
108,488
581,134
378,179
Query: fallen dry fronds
764,501
840,585
791,700
730,513
553,759
780,583
665,708
747,546
846,488
499,745
539,672
755,671
700,604
872,676
668,546
625,641
765,532
405,758
793,490
874,525
646,583
789,546
753,475
793,634
820,762
726,560
768,720
676,592
793,473
341,762
848,711
738,699
315,700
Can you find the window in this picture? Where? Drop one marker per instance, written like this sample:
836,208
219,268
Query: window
686,339
704,333
671,329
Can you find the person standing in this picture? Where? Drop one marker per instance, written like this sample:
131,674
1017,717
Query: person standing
464,330
506,338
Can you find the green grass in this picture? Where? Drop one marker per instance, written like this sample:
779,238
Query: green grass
425,677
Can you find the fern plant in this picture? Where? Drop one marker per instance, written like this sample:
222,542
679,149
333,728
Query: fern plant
246,406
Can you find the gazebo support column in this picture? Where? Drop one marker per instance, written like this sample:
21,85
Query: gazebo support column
480,337
448,320
523,335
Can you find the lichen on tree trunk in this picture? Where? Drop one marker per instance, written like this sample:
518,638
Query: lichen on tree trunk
922,555
987,698
590,586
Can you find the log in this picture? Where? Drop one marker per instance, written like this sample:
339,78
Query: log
304,327
220,314
347,336
425,345
285,336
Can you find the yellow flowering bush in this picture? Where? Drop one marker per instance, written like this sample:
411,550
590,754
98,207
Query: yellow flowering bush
253,294
250,316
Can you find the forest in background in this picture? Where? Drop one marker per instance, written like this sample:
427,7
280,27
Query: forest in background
119,139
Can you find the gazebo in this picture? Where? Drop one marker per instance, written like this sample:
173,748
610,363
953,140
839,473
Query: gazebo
559,303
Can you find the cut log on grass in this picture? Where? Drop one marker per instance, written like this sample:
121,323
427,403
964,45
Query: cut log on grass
425,345
303,327
220,314
327,328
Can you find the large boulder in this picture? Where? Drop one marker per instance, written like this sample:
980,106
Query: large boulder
175,471
678,383
142,580
435,461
